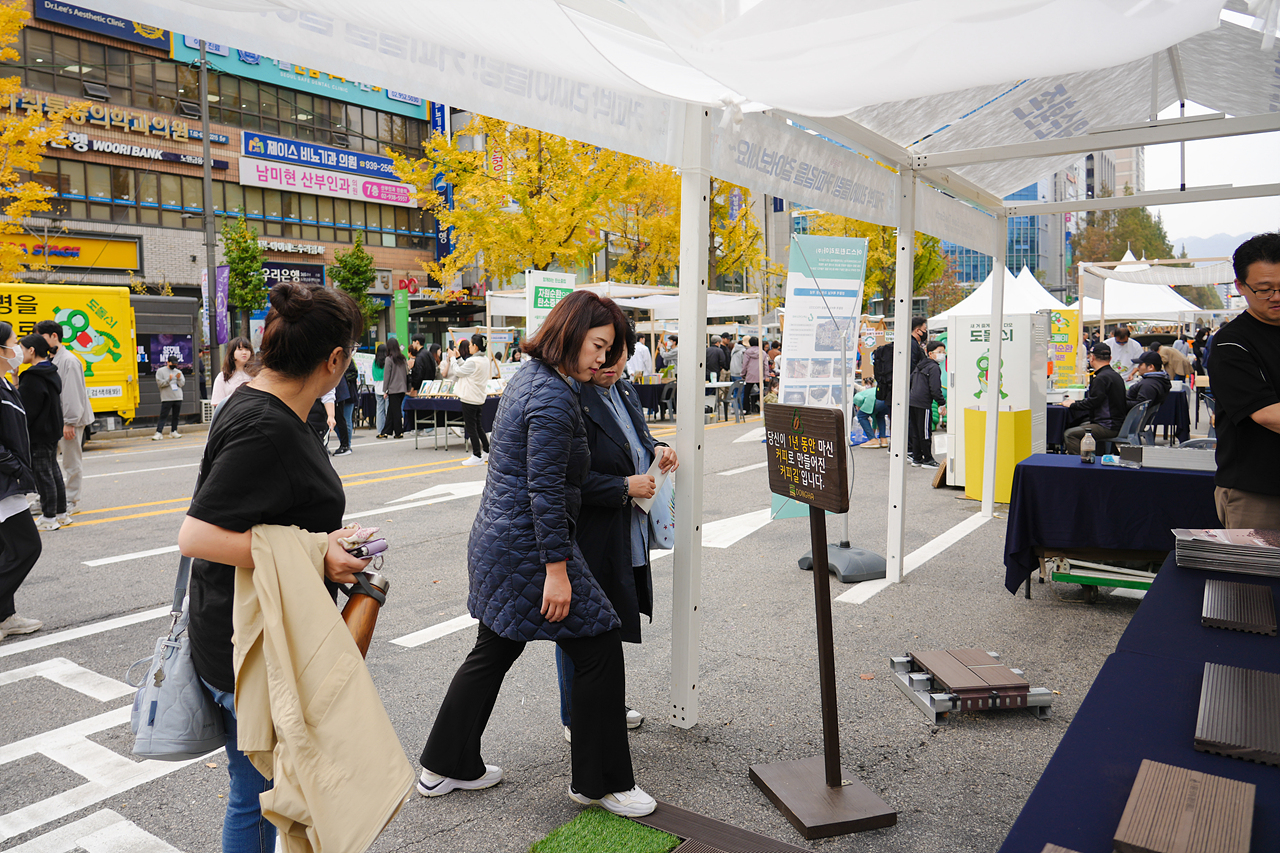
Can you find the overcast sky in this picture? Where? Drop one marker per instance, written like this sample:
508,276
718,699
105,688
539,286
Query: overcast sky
1241,161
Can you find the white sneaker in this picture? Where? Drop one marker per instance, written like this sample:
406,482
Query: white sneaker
484,457
434,785
64,519
16,624
633,803
634,718
568,734
175,435
472,461
73,507
47,523
158,437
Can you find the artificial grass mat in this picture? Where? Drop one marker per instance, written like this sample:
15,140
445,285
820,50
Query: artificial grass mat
599,831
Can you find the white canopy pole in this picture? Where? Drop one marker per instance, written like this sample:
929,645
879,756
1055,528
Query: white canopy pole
993,368
903,286
695,226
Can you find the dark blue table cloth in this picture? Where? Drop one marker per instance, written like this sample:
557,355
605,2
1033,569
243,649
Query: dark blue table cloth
1058,502
649,396
1175,412
1055,424
1144,704
1175,599
452,404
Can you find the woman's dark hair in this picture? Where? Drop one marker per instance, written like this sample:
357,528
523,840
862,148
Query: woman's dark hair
753,341
632,340
37,343
380,356
559,341
306,324
433,351
5,331
478,343
394,354
229,363
464,349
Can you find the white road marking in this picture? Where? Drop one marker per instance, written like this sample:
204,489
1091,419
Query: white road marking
727,531
73,676
136,555
107,773
466,489
83,631
860,593
103,831
750,435
743,469
110,455
398,507
435,632
140,470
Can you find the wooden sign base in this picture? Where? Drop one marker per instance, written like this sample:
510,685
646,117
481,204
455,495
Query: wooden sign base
799,790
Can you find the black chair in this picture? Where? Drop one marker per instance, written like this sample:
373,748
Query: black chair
667,400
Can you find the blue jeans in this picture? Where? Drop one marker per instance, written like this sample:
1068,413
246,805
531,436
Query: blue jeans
244,829
382,413
877,415
348,409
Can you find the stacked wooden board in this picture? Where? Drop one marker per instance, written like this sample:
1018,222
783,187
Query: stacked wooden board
1175,810
977,680
1239,607
1238,714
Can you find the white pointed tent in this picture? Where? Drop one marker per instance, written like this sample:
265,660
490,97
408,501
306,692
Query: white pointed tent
1023,294
870,115
1137,291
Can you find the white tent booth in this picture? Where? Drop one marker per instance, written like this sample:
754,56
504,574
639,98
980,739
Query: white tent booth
1023,294
860,109
1134,290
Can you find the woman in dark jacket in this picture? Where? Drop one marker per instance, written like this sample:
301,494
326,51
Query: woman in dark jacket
527,575
19,539
613,532
926,389
41,391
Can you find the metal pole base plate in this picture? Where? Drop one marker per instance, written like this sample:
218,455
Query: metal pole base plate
849,565
799,790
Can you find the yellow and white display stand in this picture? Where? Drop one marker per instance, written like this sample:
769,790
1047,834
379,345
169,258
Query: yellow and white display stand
1014,444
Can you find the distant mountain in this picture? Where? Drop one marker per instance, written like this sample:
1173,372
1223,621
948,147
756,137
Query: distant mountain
1217,246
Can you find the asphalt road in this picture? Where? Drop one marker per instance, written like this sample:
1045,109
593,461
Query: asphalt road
66,773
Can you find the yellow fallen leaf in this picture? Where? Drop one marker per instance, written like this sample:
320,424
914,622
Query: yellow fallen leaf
867,676
211,764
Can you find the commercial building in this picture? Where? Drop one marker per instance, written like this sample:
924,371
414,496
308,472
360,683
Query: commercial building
302,152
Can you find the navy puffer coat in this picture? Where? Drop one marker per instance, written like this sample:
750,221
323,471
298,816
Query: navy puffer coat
538,461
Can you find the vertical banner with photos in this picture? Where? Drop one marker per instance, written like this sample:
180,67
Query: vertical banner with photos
824,295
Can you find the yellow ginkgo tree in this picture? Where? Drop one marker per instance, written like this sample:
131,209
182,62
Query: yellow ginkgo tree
528,200
23,137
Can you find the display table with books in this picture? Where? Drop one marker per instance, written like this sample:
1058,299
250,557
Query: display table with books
451,409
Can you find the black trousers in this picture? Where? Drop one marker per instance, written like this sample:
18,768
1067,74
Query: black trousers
53,491
920,434
601,754
169,409
19,550
340,424
471,424
394,424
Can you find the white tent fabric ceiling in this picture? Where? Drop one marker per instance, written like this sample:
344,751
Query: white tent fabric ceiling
617,75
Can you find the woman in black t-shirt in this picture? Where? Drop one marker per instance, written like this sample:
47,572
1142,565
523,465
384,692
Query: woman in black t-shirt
261,433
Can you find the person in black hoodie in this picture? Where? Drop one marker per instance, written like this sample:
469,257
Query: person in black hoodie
1153,382
1103,407
926,389
19,539
41,390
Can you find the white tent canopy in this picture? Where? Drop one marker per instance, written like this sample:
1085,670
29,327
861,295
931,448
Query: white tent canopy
1023,294
1222,273
910,137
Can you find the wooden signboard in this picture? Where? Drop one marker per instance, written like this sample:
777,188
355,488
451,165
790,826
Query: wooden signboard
807,457
808,450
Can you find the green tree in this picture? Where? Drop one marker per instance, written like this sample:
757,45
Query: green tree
352,271
1108,234
247,290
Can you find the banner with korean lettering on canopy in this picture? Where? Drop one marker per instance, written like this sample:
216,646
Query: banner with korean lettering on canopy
825,284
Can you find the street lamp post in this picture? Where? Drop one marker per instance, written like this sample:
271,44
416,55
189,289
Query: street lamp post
210,240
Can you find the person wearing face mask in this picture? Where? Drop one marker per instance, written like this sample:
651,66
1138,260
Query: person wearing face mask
528,578
926,389
19,539
41,390
77,409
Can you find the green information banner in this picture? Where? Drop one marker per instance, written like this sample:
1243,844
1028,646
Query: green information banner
542,290
400,314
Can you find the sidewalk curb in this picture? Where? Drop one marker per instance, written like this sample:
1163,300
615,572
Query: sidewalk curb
143,432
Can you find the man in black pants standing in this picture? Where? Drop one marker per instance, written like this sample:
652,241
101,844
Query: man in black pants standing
1244,375
926,389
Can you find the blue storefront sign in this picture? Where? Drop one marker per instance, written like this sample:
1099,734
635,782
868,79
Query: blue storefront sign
444,236
281,72
282,150
100,22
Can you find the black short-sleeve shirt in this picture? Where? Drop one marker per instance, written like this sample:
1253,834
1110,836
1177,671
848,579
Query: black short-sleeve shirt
1244,376
262,465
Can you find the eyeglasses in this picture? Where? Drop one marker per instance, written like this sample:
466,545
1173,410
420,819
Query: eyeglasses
1264,293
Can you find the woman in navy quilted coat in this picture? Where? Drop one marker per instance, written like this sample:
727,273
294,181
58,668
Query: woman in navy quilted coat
528,578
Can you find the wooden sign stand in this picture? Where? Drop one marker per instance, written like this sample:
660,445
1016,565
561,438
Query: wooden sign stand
808,462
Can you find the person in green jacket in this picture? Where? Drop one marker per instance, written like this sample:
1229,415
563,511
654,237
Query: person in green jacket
870,410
